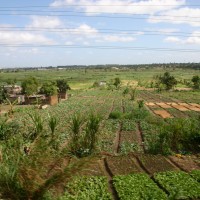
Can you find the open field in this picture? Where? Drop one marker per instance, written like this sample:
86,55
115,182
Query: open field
82,79
139,152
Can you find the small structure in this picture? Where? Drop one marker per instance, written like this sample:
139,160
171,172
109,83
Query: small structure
35,99
102,83
13,89
63,95
52,100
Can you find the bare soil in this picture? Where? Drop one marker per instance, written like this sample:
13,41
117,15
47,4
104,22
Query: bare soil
123,165
185,163
163,105
155,163
163,113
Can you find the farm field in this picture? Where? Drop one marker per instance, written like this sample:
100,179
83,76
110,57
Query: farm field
122,165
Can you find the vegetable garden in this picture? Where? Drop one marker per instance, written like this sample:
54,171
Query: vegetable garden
100,144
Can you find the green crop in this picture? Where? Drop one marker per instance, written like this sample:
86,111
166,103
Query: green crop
87,188
195,174
180,185
137,187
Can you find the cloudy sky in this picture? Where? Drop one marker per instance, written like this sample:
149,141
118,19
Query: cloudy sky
70,32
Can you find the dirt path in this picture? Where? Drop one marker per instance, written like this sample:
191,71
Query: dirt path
140,137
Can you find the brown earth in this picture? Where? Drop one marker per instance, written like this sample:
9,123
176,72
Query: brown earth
123,165
163,105
163,113
185,163
155,163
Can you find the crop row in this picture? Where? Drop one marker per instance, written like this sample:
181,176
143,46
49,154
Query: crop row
139,186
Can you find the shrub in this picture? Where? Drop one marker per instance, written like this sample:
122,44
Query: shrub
115,115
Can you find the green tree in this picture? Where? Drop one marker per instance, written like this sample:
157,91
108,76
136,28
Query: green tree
3,94
168,80
30,86
62,85
49,89
117,82
196,82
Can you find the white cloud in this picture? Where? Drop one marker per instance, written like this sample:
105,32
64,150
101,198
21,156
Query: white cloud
193,39
185,15
173,39
45,22
13,38
123,6
115,38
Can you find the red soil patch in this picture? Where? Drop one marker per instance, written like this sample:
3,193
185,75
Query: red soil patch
122,165
163,113
191,107
150,104
163,105
195,104
155,163
186,163
179,107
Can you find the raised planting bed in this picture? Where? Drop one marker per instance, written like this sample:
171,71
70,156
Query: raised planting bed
128,125
185,163
137,186
122,165
195,174
163,105
155,163
163,113
179,185
177,113
85,188
190,107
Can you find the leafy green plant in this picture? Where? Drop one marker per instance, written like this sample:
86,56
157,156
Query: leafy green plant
195,174
140,104
133,93
179,184
137,186
115,115
38,125
85,188
53,123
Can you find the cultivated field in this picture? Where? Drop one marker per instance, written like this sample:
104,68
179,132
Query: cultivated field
144,148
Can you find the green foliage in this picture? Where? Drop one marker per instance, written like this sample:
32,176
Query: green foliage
83,142
178,135
53,123
8,129
128,125
49,89
140,104
30,86
195,174
117,82
3,94
62,85
137,186
179,184
115,115
38,125
168,80
133,93
126,91
196,82
85,188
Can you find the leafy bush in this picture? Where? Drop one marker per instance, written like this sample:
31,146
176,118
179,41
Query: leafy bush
83,142
137,186
85,188
115,115
195,174
179,184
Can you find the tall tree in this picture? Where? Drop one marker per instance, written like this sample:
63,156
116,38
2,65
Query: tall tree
168,80
196,82
30,86
62,85
49,89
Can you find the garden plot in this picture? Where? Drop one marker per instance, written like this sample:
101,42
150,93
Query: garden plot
163,105
190,107
163,113
122,165
154,163
185,163
195,104
179,107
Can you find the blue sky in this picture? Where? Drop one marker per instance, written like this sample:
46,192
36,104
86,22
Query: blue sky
44,33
